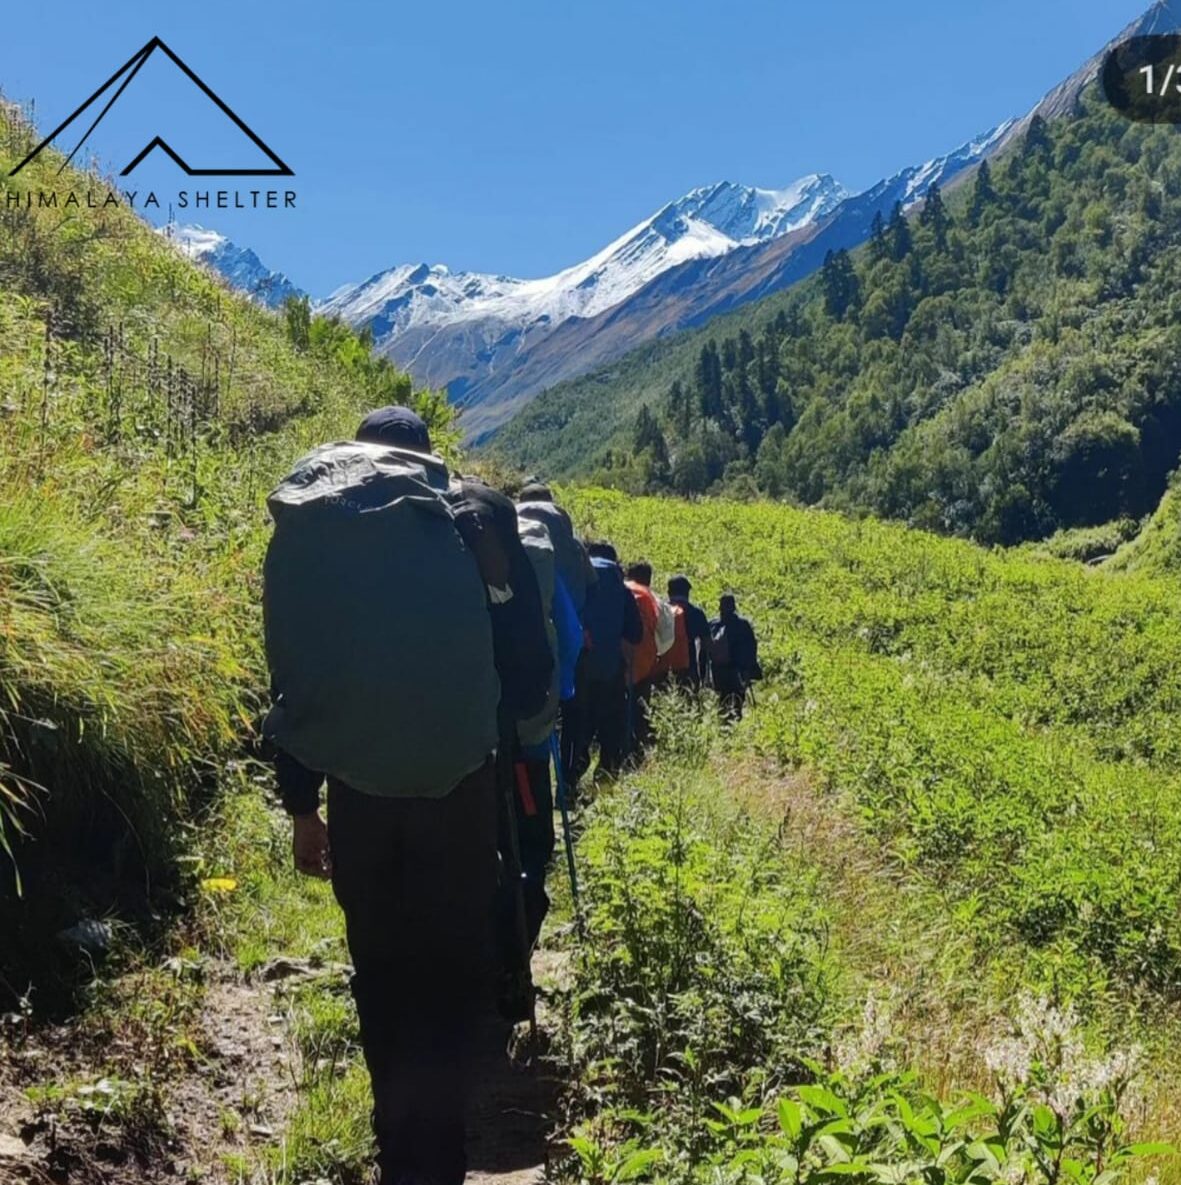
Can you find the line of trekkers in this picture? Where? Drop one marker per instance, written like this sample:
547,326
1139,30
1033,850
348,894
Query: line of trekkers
432,647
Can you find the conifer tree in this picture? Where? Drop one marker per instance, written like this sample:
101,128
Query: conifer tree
983,195
899,234
935,217
878,247
840,284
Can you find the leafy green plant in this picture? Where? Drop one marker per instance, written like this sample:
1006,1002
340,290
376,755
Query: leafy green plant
703,961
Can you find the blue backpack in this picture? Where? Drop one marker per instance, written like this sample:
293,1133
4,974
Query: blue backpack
603,619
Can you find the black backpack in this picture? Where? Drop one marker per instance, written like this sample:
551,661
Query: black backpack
719,645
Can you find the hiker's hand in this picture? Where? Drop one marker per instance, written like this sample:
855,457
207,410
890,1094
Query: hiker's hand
309,845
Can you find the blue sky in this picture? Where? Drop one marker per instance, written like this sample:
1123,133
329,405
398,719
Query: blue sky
520,136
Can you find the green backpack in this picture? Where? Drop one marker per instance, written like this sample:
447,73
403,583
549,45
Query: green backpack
376,622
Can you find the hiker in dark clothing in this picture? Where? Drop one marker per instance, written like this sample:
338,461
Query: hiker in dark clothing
535,503
609,619
525,663
734,657
416,877
697,635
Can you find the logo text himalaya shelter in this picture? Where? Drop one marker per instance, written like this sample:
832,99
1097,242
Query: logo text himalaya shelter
159,106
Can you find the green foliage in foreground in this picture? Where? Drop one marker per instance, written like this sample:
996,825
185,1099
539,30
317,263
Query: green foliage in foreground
144,413
1000,366
703,1037
1006,722
705,961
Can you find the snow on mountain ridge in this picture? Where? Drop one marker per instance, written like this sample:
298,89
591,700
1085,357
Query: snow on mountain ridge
706,222
239,265
920,178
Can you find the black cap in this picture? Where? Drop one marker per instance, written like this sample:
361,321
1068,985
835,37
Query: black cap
679,586
396,426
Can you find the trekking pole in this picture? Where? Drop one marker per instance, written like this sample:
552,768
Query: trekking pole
631,719
515,872
564,807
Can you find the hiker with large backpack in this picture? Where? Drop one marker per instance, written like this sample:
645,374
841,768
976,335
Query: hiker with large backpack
610,619
533,797
525,663
383,650
733,657
688,660
535,503
659,634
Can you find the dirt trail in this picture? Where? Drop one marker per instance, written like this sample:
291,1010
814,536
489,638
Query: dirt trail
235,1099
236,1094
512,1112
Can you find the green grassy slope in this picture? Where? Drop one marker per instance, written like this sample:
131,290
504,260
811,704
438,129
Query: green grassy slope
1006,723
939,855
1003,368
144,412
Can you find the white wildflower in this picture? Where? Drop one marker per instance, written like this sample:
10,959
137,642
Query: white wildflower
864,1048
1010,1059
1046,1045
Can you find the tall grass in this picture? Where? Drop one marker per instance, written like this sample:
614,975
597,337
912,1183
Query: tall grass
145,411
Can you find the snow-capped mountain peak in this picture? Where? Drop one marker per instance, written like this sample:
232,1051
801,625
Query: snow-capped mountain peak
706,222
239,265
747,214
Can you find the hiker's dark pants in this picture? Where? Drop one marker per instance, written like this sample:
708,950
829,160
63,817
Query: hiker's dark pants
603,717
731,689
415,878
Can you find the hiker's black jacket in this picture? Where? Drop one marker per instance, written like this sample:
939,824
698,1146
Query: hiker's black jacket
697,630
520,646
744,648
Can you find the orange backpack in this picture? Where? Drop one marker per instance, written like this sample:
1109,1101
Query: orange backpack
642,656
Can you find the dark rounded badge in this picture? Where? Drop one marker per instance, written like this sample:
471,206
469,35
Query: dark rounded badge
1142,78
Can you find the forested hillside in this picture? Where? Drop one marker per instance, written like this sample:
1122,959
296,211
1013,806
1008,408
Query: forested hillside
145,410
1001,365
